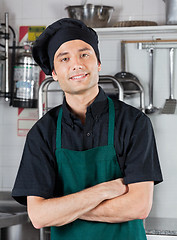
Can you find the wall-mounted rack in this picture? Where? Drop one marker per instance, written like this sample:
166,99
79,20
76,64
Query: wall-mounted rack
150,46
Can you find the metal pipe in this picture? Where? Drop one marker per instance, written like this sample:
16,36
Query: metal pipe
40,95
141,91
7,88
171,73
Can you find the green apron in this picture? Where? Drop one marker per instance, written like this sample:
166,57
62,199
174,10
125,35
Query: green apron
82,169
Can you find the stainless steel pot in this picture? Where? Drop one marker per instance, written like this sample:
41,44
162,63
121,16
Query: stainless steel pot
92,15
171,11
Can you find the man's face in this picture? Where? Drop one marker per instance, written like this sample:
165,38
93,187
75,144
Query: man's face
76,67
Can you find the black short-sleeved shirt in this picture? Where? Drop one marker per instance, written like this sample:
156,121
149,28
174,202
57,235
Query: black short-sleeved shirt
134,144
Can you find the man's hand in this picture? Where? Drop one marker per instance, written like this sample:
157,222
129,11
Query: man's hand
134,204
115,188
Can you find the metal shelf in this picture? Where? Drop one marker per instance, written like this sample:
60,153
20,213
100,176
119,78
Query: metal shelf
137,30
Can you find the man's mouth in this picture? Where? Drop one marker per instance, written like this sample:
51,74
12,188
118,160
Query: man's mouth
79,77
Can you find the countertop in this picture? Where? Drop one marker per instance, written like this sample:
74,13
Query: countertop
11,212
161,226
10,219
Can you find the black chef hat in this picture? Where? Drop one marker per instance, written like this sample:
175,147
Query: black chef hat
55,35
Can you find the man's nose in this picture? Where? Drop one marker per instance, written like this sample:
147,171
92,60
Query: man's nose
77,64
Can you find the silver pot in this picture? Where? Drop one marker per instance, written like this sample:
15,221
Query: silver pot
91,15
171,11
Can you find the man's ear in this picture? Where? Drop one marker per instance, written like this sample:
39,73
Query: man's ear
99,66
54,75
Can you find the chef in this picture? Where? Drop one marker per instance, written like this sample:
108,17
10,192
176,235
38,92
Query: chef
89,165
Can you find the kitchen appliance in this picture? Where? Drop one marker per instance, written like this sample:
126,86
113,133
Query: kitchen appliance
92,15
171,11
170,104
26,79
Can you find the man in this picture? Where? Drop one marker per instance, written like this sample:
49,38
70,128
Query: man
89,166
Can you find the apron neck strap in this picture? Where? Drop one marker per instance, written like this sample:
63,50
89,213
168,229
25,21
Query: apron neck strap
58,133
110,128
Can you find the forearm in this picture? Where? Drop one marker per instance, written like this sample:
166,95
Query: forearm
63,210
60,211
135,204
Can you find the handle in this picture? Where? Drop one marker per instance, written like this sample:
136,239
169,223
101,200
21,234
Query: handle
151,63
171,72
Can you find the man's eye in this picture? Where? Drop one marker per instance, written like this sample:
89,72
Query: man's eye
64,59
84,55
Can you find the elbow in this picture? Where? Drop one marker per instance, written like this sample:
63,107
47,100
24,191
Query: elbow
144,211
36,223
36,220
143,214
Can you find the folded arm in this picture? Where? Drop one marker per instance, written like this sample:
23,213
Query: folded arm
63,210
135,204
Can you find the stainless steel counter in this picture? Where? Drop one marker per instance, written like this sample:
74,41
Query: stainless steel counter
10,219
161,226
14,221
11,212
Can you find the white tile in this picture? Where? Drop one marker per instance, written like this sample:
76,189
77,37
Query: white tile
131,8
151,7
13,7
11,155
9,175
32,9
110,67
109,50
9,115
10,138
52,9
71,2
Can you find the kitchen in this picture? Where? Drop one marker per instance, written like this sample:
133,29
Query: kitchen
42,13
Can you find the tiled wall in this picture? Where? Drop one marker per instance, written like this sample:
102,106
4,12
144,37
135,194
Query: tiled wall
44,12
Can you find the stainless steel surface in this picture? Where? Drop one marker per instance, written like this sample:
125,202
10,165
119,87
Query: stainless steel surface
150,108
11,212
26,79
115,88
24,231
7,85
44,90
170,104
161,226
14,221
171,11
11,206
157,44
123,56
92,15
131,85
10,219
